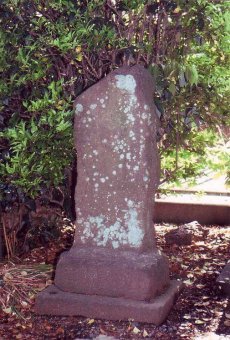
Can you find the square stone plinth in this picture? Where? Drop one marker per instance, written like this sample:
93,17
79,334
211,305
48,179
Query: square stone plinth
53,301
106,272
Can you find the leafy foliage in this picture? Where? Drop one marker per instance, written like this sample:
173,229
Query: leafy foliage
35,145
50,51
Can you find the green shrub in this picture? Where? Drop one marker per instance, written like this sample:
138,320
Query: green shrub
50,51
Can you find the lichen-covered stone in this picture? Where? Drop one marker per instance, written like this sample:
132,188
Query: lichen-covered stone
114,269
115,130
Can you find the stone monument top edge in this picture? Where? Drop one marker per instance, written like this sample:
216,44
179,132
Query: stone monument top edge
133,75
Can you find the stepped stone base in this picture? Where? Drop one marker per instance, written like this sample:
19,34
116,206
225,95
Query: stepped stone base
57,302
105,272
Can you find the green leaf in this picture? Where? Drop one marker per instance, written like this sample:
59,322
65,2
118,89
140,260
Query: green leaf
191,74
172,88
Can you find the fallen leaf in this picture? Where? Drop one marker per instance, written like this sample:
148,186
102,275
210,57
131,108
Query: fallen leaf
24,273
190,276
90,321
48,327
7,310
60,330
136,330
188,282
199,322
200,286
145,333
102,331
227,323
24,303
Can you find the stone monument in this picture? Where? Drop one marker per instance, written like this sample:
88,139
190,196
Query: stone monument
114,270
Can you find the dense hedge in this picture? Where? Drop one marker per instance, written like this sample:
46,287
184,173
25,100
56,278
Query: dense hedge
50,51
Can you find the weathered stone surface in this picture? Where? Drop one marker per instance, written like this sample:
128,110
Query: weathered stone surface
224,279
115,129
113,273
55,301
185,234
114,270
179,236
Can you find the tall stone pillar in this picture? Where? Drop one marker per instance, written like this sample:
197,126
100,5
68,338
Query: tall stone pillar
114,270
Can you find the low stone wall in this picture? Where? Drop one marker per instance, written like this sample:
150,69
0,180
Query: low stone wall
178,212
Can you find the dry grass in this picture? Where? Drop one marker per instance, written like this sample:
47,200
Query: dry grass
20,283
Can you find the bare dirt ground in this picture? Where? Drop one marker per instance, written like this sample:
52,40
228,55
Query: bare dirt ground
200,312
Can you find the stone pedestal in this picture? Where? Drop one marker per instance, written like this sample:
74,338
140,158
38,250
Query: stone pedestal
114,270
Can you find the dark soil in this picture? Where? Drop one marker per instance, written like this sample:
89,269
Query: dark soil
200,312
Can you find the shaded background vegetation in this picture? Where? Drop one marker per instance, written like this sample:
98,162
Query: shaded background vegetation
51,51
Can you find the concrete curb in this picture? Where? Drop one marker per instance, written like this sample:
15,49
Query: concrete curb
185,212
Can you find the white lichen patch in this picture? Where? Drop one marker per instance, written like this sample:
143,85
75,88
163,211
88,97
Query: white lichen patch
130,118
102,100
130,203
120,166
136,168
119,146
146,107
114,172
78,211
102,180
135,233
128,156
104,141
131,134
95,152
93,106
122,156
126,231
126,83
79,108
144,115
147,116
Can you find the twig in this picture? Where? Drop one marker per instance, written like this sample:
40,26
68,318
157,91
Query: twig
5,237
